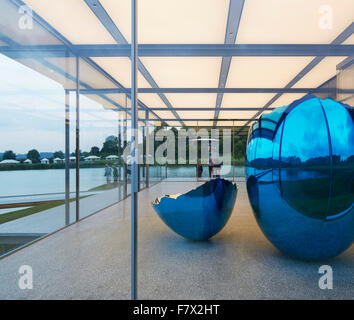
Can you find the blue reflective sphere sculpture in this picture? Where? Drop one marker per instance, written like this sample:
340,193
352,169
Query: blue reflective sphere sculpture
300,177
200,213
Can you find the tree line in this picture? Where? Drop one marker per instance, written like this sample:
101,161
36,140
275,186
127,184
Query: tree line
112,145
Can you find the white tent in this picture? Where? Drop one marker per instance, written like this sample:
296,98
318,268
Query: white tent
71,159
9,161
92,158
112,157
58,160
44,161
29,161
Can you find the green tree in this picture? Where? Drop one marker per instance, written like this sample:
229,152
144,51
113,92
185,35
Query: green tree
58,154
110,146
33,155
239,151
95,151
9,154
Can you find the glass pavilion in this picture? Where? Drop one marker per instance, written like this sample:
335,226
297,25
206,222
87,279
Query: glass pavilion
71,81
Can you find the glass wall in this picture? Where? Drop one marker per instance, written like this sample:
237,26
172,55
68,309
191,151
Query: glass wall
208,153
37,184
61,141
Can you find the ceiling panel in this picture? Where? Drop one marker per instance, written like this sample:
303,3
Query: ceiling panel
325,70
236,114
118,98
350,40
239,123
44,70
184,72
264,72
120,69
196,114
152,100
289,21
286,99
237,100
73,19
10,21
205,123
192,100
230,123
183,21
165,114
174,123
88,74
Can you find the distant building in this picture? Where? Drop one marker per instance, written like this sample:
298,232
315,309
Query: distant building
58,160
112,157
92,158
9,161
71,159
28,161
44,161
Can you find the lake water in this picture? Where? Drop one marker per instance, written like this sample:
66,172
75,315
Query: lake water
26,182
34,182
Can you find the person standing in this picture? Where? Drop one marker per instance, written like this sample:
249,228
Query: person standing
210,167
107,173
115,175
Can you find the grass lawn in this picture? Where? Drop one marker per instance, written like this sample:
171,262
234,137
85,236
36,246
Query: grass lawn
13,215
106,186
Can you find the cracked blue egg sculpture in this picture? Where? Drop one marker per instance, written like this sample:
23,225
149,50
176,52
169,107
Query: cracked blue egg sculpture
300,177
200,213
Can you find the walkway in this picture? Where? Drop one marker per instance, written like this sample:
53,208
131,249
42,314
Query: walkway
91,260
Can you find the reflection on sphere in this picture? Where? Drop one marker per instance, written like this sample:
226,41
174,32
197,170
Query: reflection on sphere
300,177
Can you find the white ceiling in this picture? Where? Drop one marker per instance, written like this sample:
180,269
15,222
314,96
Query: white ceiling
193,22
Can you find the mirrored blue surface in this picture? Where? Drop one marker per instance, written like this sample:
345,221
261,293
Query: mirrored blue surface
200,213
300,178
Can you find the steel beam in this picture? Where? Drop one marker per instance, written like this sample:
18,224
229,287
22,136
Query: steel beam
207,90
66,47
199,119
97,8
67,160
210,90
134,152
183,50
77,144
233,22
336,42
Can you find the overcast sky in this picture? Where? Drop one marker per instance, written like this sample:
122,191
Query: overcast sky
32,113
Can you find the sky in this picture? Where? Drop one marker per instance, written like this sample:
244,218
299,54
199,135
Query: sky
32,113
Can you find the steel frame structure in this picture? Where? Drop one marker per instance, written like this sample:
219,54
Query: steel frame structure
123,49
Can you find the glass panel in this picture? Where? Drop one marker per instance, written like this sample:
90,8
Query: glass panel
100,150
33,138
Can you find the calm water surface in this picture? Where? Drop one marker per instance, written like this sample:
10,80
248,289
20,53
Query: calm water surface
32,182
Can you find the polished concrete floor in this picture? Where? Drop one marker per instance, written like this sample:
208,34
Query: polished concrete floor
91,260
